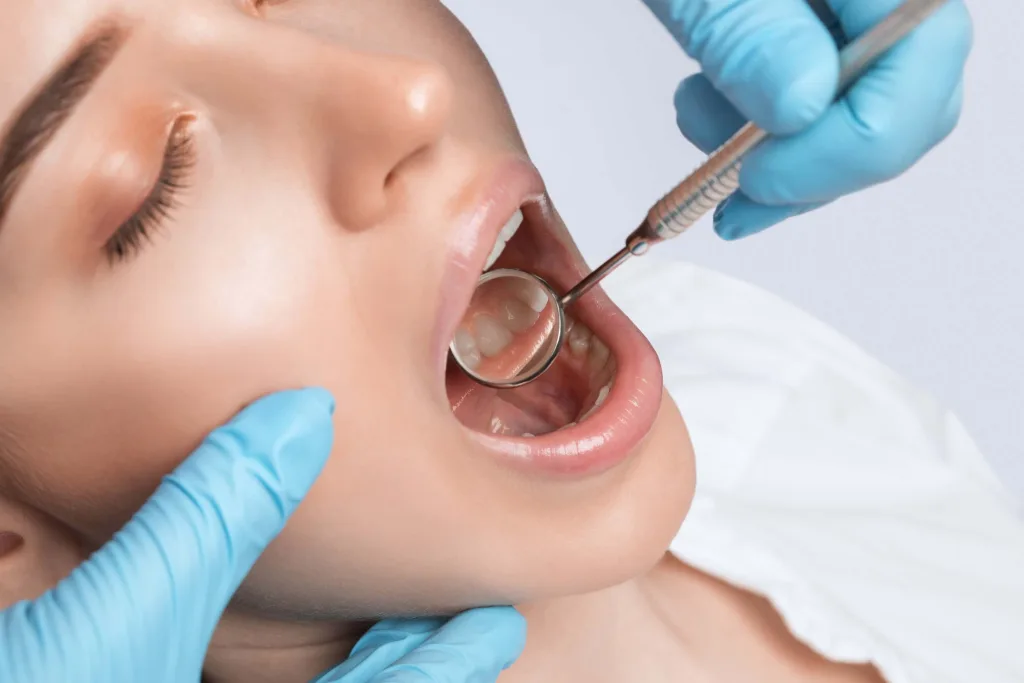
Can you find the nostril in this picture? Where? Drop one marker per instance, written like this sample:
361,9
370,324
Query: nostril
421,119
9,543
389,116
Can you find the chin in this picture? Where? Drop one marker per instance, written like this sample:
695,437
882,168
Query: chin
603,536
624,533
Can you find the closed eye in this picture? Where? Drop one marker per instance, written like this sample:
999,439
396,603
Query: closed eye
156,209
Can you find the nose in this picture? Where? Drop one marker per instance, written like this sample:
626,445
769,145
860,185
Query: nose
383,117
363,120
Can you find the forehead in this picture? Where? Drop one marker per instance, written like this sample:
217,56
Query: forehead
35,35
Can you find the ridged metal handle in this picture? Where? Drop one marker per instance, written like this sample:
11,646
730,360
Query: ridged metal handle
719,177
707,187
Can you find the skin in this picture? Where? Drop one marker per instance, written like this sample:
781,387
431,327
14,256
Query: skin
336,146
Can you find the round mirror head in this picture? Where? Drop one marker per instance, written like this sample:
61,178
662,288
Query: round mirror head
511,332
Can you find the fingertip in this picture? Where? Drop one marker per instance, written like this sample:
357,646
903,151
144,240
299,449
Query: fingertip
514,627
723,228
952,29
704,117
740,217
788,76
321,397
475,645
731,231
950,117
282,441
727,231
507,621
286,415
808,96
499,630
308,401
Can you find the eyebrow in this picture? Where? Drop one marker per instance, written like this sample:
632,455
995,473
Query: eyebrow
45,112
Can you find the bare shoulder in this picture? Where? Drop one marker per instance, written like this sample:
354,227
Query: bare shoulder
740,634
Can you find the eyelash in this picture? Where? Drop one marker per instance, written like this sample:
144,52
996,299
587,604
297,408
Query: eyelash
179,159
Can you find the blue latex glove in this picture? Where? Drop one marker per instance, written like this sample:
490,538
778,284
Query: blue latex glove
775,63
144,607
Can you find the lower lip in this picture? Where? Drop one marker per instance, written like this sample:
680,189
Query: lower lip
615,431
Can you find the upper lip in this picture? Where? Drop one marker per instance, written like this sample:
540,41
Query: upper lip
510,187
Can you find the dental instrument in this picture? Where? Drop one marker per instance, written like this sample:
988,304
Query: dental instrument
516,364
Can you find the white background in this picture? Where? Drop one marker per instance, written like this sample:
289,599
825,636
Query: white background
926,273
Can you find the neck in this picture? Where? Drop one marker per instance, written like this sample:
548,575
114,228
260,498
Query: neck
258,650
674,623
616,634
592,637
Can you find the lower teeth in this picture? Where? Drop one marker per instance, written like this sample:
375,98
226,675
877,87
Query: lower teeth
601,398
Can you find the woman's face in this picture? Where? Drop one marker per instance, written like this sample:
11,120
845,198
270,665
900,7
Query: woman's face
226,199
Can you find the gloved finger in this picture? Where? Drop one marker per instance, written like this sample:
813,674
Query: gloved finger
703,115
474,647
383,645
739,217
827,17
185,552
950,117
890,118
772,59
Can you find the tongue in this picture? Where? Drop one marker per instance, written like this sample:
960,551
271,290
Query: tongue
546,405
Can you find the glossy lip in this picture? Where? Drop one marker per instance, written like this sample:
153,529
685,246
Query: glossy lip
620,425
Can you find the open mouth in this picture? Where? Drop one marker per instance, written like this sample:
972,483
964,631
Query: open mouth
599,399
578,382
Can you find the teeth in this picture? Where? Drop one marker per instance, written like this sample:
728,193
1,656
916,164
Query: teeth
491,336
579,339
466,349
532,295
517,316
599,354
503,237
602,396
489,333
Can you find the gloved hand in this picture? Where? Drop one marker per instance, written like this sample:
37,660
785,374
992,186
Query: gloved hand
774,62
144,607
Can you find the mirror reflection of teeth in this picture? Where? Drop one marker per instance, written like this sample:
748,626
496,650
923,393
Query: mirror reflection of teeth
465,346
488,336
492,336
489,333
531,295
504,236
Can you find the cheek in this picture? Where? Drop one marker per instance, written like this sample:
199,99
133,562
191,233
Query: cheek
189,333
156,366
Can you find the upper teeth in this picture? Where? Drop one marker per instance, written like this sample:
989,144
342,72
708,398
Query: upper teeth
504,236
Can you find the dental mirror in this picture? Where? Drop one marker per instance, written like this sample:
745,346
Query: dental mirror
512,330
515,325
